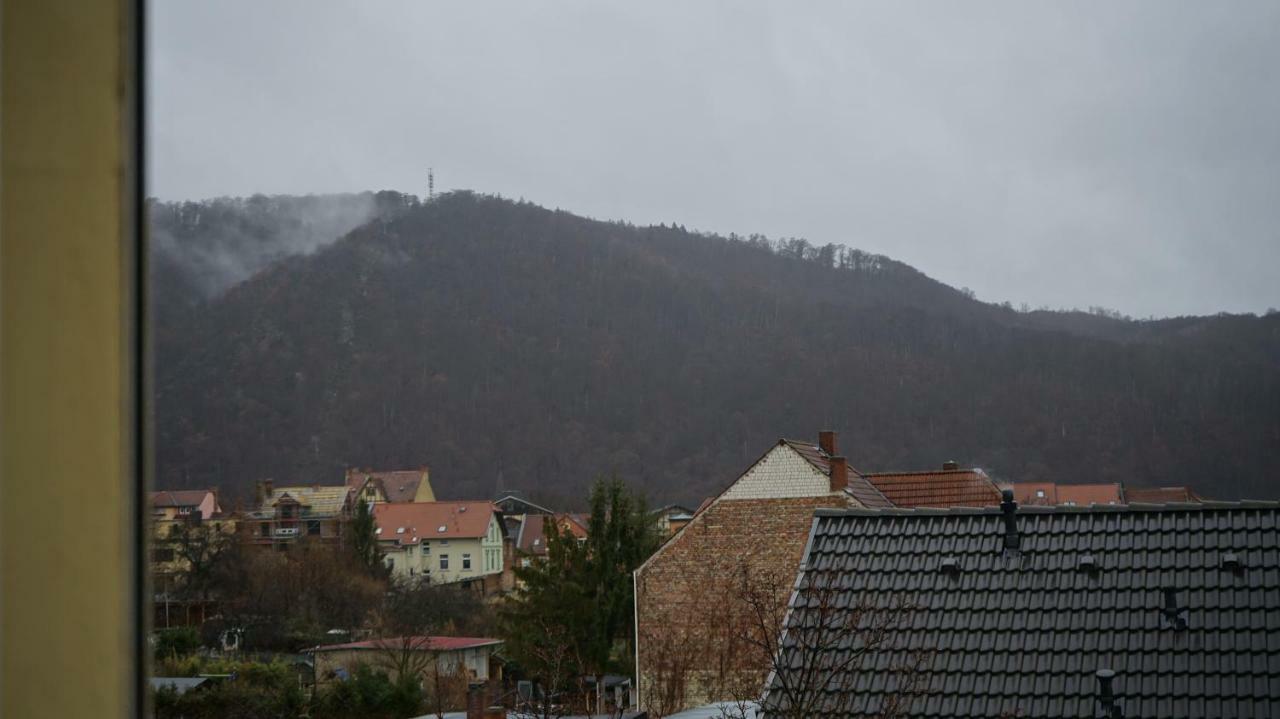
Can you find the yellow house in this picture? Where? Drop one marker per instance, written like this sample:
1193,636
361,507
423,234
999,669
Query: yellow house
208,531
444,542
170,507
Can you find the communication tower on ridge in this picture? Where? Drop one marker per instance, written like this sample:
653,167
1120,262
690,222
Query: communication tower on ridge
431,183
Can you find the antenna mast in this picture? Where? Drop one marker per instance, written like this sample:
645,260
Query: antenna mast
431,183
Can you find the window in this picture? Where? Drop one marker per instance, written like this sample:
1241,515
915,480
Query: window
313,527
162,554
1040,493
444,562
266,529
466,561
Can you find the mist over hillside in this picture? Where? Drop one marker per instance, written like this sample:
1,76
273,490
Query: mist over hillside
511,346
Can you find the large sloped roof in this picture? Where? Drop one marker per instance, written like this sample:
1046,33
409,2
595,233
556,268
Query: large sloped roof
1022,633
411,522
318,501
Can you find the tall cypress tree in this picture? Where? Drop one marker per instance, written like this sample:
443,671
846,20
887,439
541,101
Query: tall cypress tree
364,540
577,602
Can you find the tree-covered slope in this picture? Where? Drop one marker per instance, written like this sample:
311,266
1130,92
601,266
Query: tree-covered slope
509,346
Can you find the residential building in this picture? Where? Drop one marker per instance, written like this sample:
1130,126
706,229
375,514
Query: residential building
396,486
283,515
514,503
1051,493
1083,495
445,542
1041,611
169,507
748,540
754,531
530,541
470,658
671,518
198,511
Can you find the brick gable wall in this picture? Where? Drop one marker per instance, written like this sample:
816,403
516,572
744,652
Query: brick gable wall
689,612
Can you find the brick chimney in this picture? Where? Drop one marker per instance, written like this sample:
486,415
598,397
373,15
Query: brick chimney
839,474
264,490
827,442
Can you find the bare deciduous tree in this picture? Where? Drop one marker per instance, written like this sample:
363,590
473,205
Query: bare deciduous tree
826,641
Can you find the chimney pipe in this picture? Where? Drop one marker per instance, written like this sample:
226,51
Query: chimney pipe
1106,694
827,442
1176,615
839,474
1012,540
950,465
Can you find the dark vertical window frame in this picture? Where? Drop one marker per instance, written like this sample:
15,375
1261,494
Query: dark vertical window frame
141,361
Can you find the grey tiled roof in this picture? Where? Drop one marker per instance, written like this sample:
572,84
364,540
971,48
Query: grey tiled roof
1022,633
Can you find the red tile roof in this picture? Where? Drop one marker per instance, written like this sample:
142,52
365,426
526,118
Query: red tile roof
532,538
938,488
1160,495
410,522
1082,495
1035,493
1086,494
422,642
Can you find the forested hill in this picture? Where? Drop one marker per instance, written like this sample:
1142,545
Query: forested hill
511,346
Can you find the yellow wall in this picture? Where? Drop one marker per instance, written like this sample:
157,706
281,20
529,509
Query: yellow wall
66,372
425,493
420,560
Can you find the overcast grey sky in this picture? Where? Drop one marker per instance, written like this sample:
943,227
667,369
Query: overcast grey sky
1064,154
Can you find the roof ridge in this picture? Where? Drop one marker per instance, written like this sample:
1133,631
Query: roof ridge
961,470
1052,509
